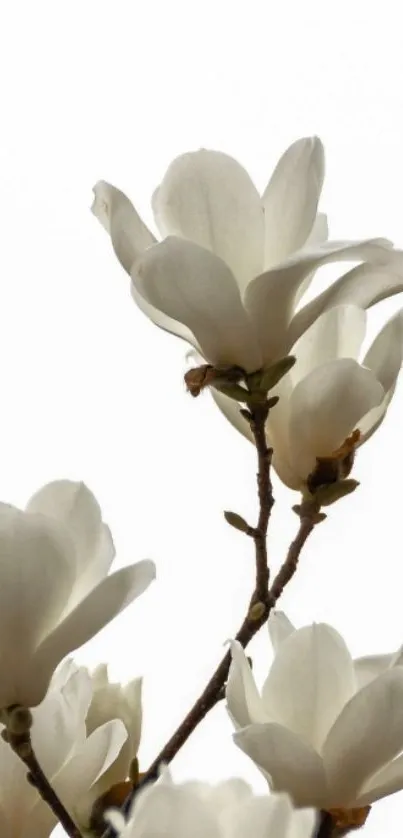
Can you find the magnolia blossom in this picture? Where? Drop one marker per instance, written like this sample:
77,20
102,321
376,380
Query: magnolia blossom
112,701
231,271
54,590
328,393
199,810
326,729
71,760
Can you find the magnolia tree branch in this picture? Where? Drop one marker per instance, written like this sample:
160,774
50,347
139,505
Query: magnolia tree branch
20,742
260,604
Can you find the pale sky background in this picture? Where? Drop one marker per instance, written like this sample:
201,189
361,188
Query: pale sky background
91,390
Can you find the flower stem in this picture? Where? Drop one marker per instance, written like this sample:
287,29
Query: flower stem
325,826
22,746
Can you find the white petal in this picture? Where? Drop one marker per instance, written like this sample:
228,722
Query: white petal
318,235
309,682
280,627
386,781
207,197
384,358
59,721
168,324
194,286
338,333
293,766
129,235
243,699
291,198
232,411
366,736
90,761
363,286
74,506
94,612
164,810
271,297
368,668
36,577
272,817
326,407
277,432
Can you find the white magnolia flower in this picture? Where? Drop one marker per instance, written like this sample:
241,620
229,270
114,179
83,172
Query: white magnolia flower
54,590
71,761
230,273
365,668
198,810
113,701
328,393
325,729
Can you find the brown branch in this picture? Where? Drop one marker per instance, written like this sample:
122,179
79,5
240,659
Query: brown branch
22,746
325,826
258,609
308,520
260,605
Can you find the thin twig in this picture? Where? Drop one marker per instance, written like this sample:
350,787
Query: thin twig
287,570
258,609
260,605
22,746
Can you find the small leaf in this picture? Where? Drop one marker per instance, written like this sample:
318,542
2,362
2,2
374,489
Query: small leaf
326,495
268,377
233,391
236,521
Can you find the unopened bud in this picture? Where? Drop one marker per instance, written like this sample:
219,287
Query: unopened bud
256,611
236,521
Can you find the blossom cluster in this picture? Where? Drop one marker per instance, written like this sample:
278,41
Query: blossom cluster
231,276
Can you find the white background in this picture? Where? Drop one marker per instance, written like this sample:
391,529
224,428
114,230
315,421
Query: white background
91,390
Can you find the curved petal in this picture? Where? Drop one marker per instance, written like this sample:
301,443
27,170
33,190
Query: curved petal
280,628
74,506
368,668
167,809
74,781
309,682
291,198
277,432
272,816
194,286
363,286
387,781
384,358
168,324
318,235
366,736
208,198
59,721
232,411
129,235
326,407
293,766
337,333
244,702
94,612
270,298
36,576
